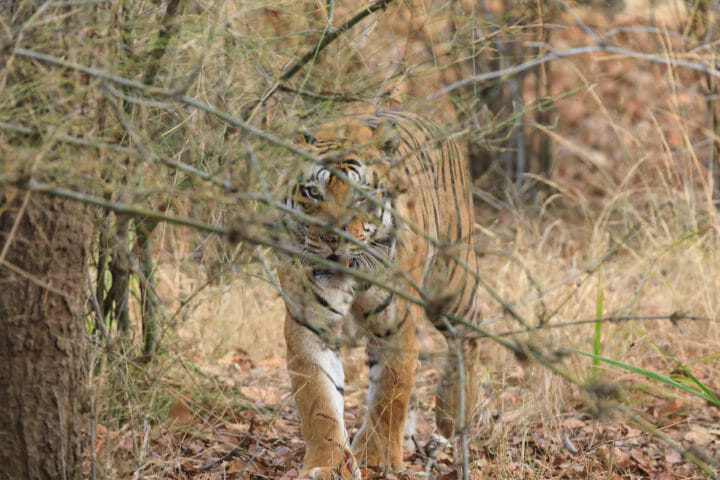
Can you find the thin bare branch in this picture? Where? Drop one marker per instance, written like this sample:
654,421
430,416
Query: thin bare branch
64,138
673,317
119,208
176,94
571,52
331,35
580,23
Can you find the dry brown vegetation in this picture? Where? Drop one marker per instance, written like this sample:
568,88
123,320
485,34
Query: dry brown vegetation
622,226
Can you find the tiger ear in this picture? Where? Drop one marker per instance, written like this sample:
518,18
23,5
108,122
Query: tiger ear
386,137
303,137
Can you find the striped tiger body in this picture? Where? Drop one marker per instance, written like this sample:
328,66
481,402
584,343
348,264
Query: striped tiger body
387,214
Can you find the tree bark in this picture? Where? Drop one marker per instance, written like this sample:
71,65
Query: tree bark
43,272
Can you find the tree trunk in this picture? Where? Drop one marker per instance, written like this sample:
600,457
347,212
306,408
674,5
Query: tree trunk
43,272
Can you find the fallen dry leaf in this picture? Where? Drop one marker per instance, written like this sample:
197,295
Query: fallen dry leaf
671,407
238,465
573,423
290,474
698,435
672,456
271,395
615,457
180,413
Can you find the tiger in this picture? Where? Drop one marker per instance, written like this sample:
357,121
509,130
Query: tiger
383,225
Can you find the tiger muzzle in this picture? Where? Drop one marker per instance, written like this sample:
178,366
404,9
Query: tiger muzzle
331,239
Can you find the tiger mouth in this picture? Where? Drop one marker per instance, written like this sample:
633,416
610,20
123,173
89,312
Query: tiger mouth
327,273
347,262
322,273
351,263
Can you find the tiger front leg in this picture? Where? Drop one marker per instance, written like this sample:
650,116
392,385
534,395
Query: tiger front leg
313,322
393,368
317,380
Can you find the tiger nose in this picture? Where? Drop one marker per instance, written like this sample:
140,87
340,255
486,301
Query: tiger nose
330,238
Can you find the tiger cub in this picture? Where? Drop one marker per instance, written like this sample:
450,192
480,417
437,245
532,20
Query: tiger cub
384,221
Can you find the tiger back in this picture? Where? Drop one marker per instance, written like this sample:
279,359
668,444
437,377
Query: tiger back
384,223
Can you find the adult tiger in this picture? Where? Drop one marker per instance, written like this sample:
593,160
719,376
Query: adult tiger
391,201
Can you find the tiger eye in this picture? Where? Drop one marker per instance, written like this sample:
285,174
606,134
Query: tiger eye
314,191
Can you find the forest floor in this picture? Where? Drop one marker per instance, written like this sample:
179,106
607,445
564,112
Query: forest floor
204,438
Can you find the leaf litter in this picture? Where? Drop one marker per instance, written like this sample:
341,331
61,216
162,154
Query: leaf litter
263,441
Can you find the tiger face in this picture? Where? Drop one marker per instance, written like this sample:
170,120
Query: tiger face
346,209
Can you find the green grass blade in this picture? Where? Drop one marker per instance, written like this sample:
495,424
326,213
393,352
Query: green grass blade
652,375
690,376
598,327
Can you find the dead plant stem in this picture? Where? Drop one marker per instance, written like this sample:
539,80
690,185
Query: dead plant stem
673,317
329,35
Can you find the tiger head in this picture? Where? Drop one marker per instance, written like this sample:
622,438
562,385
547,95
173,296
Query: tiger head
343,204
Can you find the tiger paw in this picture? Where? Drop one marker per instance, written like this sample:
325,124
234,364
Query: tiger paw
347,470
372,449
374,458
